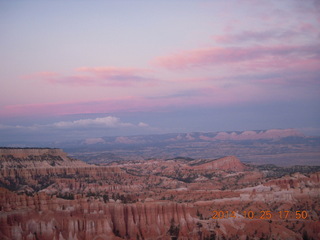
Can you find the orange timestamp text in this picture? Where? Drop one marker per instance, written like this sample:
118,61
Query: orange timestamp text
264,215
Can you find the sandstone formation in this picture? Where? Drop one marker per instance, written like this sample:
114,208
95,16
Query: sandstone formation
48,217
153,199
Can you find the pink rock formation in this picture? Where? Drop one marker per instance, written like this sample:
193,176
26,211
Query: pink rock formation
155,199
47,217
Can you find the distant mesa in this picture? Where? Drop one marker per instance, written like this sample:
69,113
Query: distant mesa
197,136
256,135
278,146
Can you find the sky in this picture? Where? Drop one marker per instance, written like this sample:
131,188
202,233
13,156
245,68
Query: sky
80,69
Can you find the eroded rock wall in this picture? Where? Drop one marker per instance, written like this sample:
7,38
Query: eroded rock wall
47,217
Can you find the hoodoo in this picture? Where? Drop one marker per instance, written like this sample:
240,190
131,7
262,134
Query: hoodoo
44,194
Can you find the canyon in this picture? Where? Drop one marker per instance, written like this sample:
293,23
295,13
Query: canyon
45,194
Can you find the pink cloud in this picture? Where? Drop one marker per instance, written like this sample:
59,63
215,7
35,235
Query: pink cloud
40,75
233,93
62,108
212,95
114,76
99,76
236,55
305,27
123,104
75,80
112,71
110,105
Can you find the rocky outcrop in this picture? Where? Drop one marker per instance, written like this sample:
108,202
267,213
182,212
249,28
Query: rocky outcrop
47,217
